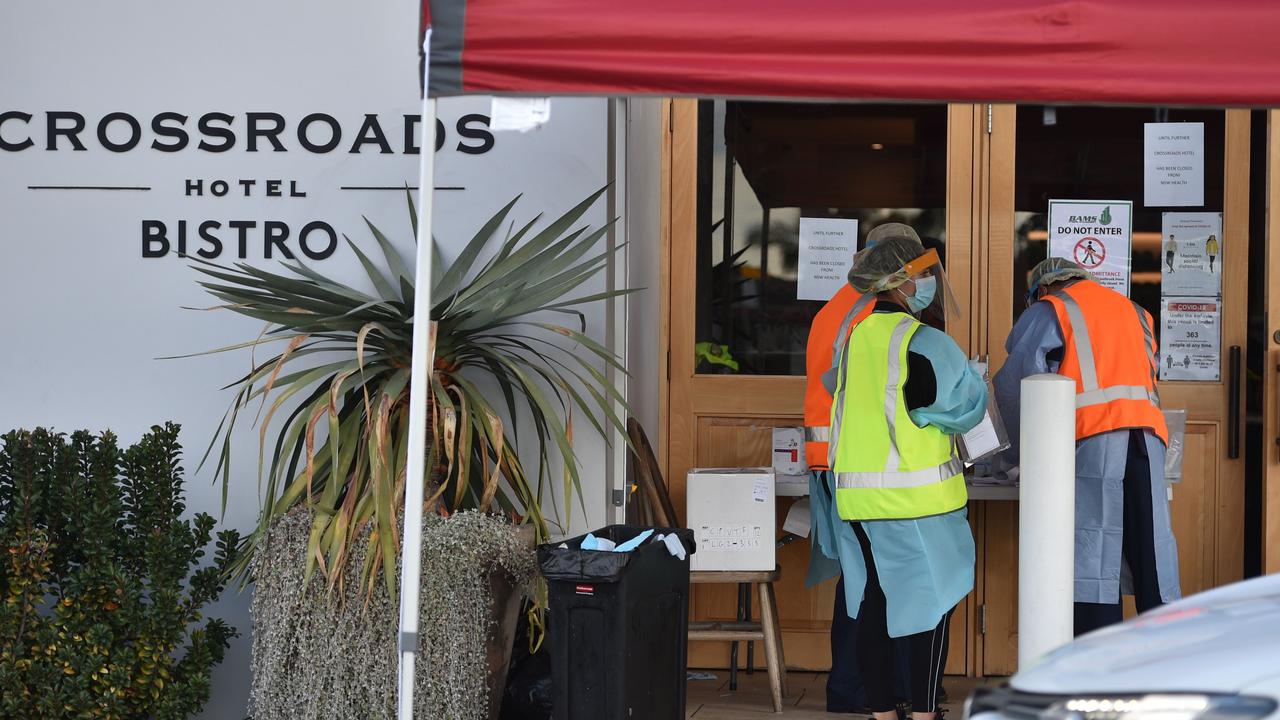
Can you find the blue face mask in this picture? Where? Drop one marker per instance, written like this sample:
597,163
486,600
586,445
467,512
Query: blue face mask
926,289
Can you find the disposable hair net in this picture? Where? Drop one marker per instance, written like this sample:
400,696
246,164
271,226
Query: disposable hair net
884,231
1054,270
900,263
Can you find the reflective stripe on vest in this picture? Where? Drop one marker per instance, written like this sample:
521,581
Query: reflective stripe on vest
900,479
817,433
895,487
891,390
1102,396
1093,396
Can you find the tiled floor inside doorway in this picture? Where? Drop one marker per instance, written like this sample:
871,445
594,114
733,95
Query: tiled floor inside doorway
713,700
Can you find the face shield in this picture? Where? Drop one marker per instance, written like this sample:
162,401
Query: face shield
926,292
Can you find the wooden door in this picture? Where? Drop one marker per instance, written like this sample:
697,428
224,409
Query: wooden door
793,159
1086,153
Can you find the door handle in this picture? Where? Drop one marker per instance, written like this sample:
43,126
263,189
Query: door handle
1233,405
1276,382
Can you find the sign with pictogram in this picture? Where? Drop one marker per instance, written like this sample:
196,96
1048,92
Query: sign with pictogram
1090,253
1190,339
1096,235
1191,254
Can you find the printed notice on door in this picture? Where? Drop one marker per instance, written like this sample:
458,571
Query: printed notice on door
827,246
1191,339
1173,164
1191,254
1095,234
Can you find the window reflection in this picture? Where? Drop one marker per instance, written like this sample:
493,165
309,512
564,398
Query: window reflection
761,167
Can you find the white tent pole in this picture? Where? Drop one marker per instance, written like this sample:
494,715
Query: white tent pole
1046,516
419,379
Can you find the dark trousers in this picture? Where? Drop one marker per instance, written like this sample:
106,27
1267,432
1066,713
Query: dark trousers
1138,546
844,685
925,653
845,691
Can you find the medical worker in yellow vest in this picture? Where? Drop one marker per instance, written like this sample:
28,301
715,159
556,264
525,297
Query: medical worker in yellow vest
1076,327
903,391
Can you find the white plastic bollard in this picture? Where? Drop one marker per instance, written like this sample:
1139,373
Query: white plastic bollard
1046,516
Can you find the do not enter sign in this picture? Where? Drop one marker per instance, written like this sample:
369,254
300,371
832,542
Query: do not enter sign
1096,235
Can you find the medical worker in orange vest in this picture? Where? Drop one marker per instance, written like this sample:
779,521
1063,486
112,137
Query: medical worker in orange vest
829,329
1076,327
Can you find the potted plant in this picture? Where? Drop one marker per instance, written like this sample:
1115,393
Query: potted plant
339,381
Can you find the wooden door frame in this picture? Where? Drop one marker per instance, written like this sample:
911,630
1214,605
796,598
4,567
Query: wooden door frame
1229,565
995,220
1271,363
965,146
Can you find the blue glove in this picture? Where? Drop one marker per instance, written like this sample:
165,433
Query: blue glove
633,543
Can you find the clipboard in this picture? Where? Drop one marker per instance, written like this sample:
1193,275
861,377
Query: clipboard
986,438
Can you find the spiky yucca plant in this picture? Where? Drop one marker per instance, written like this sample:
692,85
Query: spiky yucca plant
341,384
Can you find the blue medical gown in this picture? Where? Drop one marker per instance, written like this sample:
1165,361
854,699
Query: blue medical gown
925,566
1035,346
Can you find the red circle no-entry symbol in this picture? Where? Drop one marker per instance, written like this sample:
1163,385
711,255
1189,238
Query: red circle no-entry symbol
1090,252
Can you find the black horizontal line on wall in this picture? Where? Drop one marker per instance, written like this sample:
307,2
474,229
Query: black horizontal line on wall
88,187
395,187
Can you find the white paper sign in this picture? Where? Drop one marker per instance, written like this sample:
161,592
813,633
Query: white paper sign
1191,339
1096,235
1173,164
1191,259
519,114
761,487
827,246
981,441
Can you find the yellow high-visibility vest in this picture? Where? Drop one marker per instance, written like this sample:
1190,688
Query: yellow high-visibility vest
886,467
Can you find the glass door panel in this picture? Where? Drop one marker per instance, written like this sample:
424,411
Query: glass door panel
763,166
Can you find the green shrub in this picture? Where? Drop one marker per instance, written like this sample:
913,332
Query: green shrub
101,611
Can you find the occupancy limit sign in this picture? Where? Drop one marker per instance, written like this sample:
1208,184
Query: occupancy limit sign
1190,339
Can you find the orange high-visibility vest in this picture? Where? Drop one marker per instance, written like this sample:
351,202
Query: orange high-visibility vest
837,315
1110,352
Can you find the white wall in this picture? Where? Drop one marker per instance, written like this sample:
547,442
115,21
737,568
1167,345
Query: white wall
645,126
87,316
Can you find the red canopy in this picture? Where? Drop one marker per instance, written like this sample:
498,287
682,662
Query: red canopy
1168,52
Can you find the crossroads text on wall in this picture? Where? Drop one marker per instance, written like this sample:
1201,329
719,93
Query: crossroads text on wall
217,132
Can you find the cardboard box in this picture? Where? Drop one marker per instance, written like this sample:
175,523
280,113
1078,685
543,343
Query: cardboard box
731,513
788,451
